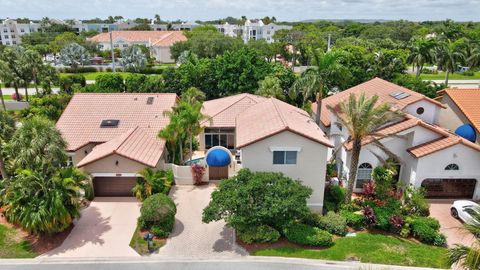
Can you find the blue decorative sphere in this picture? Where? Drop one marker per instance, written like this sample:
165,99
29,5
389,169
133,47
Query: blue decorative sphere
467,131
218,158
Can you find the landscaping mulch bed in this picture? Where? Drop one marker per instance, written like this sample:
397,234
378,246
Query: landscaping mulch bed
40,244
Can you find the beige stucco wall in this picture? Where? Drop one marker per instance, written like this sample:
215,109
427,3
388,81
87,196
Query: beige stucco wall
125,165
311,162
162,54
78,155
452,117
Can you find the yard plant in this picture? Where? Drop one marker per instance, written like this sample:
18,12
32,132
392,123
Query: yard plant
157,215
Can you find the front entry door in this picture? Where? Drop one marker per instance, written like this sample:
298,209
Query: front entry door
218,173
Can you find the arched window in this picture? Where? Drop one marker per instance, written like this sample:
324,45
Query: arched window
364,174
452,167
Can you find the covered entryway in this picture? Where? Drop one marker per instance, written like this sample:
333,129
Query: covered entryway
449,188
218,173
218,160
113,186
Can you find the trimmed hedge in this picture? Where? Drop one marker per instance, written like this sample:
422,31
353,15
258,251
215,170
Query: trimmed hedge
79,70
259,234
426,229
308,235
157,214
333,223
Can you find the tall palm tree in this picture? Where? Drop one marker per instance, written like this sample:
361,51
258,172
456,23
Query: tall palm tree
33,63
474,59
327,73
421,52
448,56
7,128
4,77
464,256
38,146
361,116
190,117
11,71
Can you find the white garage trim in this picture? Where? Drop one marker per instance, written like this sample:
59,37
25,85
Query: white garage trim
115,175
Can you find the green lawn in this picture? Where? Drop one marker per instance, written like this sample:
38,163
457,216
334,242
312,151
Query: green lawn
140,245
7,97
12,247
454,76
370,248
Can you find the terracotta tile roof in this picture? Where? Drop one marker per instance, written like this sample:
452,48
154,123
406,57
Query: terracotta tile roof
135,144
467,100
80,123
375,86
156,38
273,116
224,111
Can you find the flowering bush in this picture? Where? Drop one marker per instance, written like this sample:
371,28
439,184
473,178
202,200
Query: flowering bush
396,222
370,218
197,172
14,97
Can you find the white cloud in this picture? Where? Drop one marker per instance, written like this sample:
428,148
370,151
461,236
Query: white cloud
213,9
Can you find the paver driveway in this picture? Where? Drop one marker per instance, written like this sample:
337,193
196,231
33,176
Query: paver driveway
191,237
104,230
449,226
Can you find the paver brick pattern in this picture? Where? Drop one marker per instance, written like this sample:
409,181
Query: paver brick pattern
193,238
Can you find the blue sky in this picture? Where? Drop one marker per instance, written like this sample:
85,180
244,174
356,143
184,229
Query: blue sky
285,10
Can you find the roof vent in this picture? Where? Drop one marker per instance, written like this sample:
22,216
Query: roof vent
150,100
109,123
399,95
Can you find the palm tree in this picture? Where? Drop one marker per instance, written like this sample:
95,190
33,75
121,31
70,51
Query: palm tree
270,87
190,117
11,72
38,146
33,63
4,77
327,73
474,59
448,56
421,52
133,59
193,95
144,186
361,116
464,256
7,128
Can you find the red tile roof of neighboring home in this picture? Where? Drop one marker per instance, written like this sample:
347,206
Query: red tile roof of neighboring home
467,100
224,111
446,140
375,86
273,116
135,137
155,38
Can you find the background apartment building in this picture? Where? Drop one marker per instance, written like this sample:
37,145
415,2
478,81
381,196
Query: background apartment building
11,31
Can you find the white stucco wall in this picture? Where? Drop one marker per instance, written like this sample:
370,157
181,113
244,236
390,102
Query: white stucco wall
430,114
311,162
162,54
433,165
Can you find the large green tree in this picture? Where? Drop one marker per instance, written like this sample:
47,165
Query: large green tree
133,59
421,52
74,55
448,56
38,146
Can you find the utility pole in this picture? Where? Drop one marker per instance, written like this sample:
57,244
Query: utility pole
329,42
113,53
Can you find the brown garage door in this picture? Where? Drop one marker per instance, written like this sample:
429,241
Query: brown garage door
449,188
218,173
113,186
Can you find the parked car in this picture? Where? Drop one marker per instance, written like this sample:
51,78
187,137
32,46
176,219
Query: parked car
464,210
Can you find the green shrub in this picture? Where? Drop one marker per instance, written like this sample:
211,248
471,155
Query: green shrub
150,70
429,221
426,229
334,198
307,235
440,240
355,221
333,223
159,231
158,211
110,83
66,82
258,234
468,73
79,70
415,202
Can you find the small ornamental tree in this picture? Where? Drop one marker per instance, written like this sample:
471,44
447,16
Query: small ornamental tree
256,199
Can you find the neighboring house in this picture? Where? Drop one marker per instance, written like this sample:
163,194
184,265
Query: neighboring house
11,32
231,30
424,153
256,29
114,136
269,135
159,42
462,113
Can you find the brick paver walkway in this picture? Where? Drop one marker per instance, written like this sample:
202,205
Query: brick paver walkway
191,237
